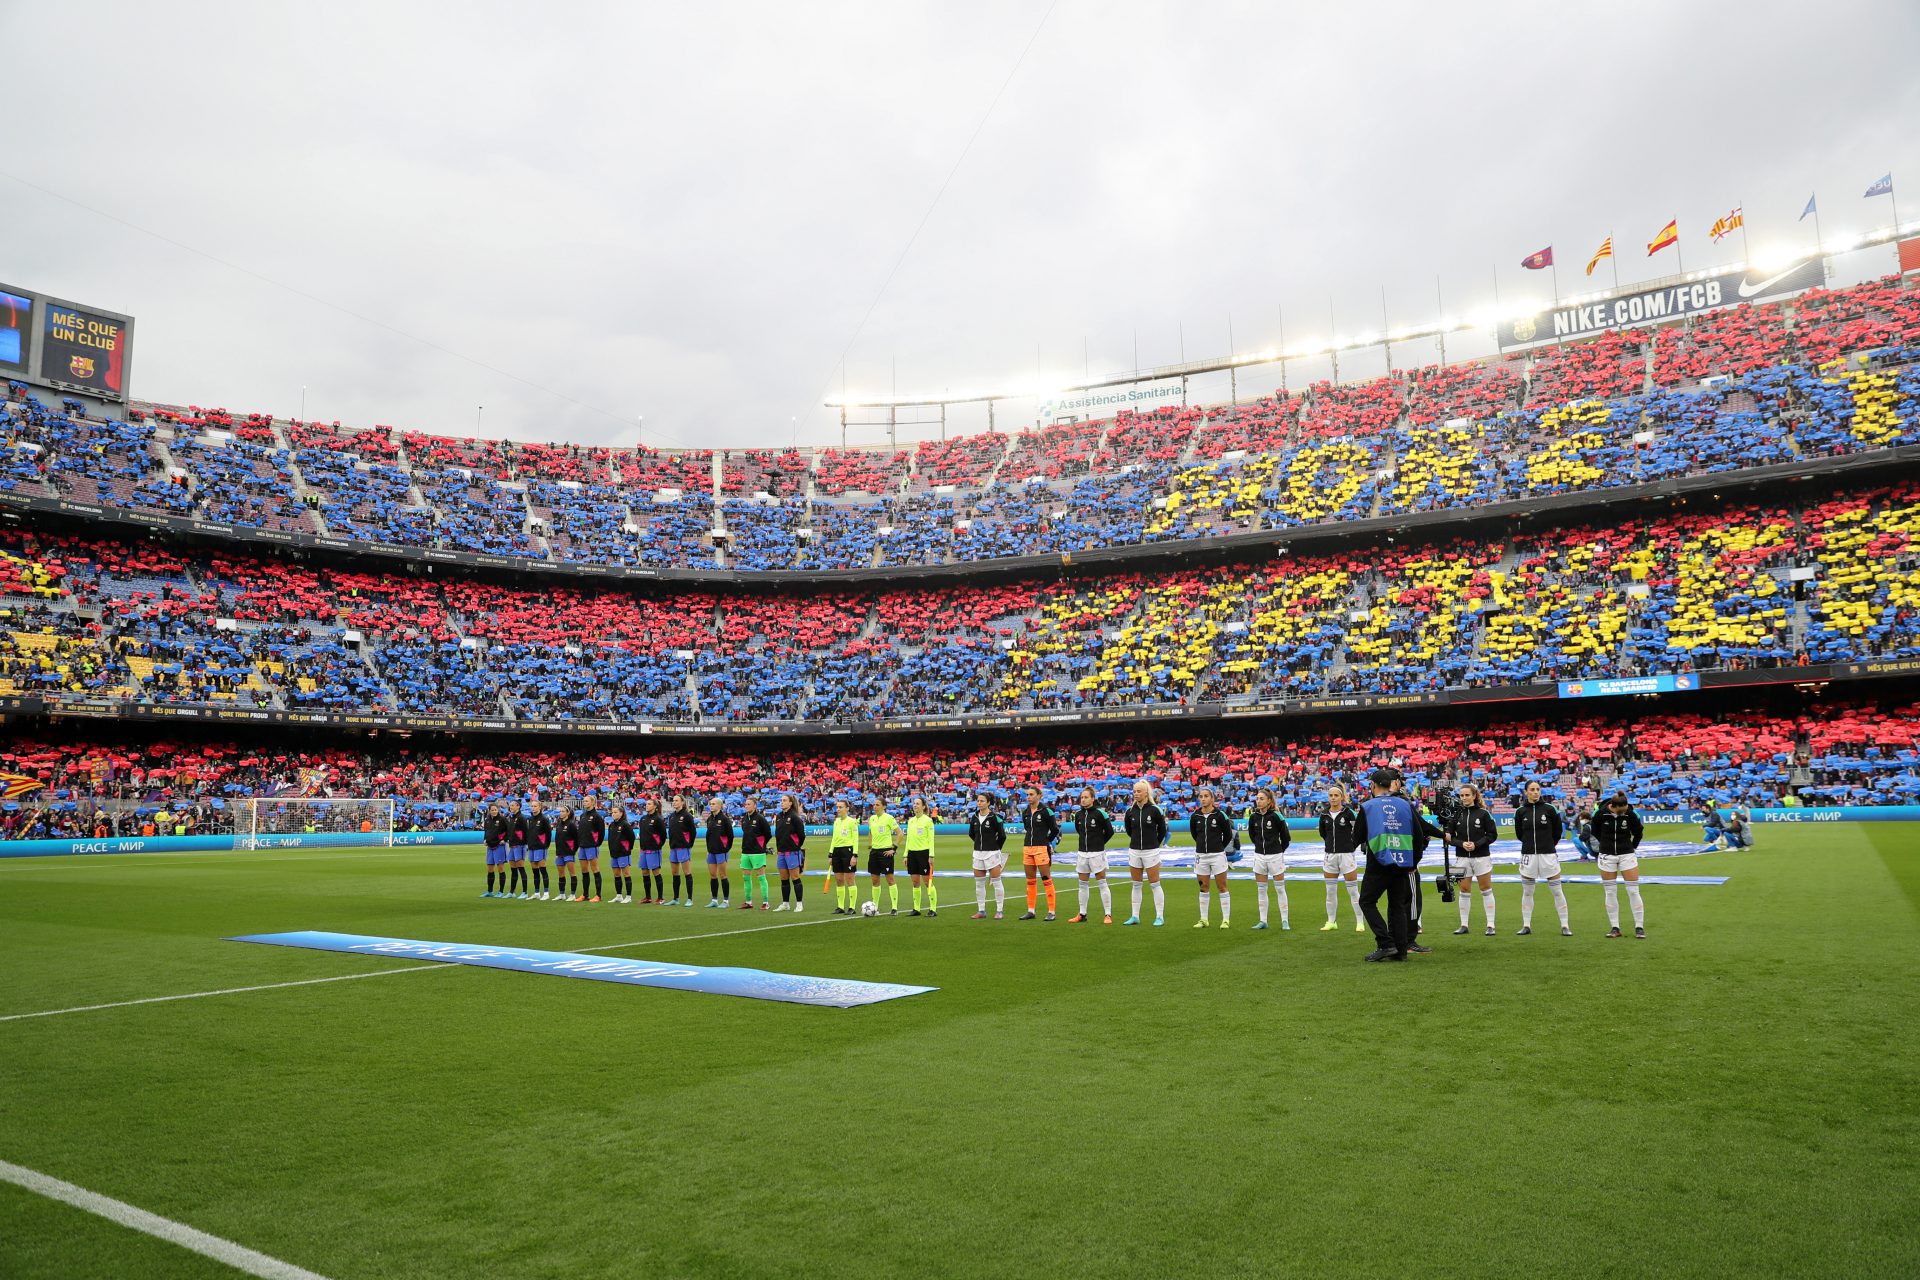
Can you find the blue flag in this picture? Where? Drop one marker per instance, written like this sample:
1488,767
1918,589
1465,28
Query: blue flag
1884,187
1808,211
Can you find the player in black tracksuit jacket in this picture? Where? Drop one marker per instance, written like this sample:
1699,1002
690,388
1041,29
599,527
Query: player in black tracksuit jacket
1617,832
566,846
593,834
1268,834
620,840
790,848
651,832
1093,828
1036,853
1146,824
1537,823
719,848
493,829
1340,855
1212,832
987,833
539,840
1472,832
517,850
681,832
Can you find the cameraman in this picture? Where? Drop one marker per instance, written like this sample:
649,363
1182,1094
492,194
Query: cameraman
1473,831
1424,832
1386,829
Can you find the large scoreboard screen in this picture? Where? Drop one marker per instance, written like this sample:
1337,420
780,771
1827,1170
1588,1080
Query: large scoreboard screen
60,344
86,349
16,330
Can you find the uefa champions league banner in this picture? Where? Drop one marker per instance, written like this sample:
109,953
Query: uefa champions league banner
755,984
230,844
1707,292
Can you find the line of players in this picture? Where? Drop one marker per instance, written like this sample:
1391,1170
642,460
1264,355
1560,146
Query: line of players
518,843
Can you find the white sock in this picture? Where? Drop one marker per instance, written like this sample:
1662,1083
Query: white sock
1159,901
1333,900
1611,891
1526,904
1138,889
1280,896
1085,893
1486,905
979,893
1559,900
999,893
1106,898
1204,891
1639,907
1226,906
1353,896
1260,899
1466,908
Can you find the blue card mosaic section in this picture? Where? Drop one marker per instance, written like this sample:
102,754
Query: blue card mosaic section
754,984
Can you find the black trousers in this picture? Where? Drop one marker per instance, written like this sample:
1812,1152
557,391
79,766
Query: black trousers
1393,931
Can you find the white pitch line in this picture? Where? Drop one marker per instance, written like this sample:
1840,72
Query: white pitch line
239,1257
224,991
415,968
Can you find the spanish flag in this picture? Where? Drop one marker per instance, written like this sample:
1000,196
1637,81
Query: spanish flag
13,786
1669,234
1604,251
1727,225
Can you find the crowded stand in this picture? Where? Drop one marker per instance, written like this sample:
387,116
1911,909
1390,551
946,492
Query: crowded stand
1845,753
1826,374
1743,586
871,471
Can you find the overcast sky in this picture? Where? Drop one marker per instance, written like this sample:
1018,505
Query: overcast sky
578,214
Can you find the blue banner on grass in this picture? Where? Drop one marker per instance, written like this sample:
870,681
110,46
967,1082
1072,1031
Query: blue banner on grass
755,984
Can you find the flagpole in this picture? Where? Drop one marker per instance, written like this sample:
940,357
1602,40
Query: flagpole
1746,250
1819,237
1895,200
1613,259
1498,314
1679,260
1555,268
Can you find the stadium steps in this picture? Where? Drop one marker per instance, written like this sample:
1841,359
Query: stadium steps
311,498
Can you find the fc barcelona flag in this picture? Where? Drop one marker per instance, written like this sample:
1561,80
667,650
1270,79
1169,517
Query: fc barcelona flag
13,786
1669,234
1538,261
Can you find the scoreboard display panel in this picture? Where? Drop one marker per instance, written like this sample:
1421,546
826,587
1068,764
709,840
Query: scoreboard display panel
85,349
16,330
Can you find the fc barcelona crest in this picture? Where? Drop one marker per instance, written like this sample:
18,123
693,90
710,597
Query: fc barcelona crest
80,366
1523,329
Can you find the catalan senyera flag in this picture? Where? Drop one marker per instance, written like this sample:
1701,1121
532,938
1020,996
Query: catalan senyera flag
13,786
1669,234
1604,251
1728,225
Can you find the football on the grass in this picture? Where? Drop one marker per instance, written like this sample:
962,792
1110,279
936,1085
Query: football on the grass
869,909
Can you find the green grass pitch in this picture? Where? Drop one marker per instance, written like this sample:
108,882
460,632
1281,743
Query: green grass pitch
1739,1095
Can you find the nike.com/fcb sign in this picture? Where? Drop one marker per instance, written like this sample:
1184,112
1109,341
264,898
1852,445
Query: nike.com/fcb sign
1651,306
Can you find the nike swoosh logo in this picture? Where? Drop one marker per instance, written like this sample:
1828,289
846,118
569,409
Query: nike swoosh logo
1748,290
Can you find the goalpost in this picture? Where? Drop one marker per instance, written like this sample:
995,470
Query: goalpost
270,822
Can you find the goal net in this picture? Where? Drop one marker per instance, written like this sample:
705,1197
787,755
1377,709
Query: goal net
287,822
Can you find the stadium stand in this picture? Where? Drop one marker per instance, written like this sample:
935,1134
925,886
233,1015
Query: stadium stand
1746,586
1826,374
